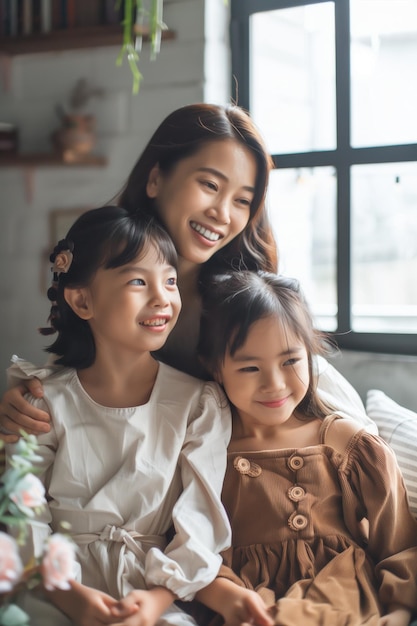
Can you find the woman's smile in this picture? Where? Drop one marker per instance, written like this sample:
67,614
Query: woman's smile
208,235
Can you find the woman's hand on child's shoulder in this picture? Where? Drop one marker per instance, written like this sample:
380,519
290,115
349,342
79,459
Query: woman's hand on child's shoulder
16,413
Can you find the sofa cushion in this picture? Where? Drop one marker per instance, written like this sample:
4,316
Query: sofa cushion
398,427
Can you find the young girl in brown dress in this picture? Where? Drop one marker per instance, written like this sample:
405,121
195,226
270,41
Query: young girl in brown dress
321,528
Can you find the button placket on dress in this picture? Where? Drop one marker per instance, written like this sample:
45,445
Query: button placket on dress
296,493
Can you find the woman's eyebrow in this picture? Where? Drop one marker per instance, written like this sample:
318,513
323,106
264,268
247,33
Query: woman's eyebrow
212,170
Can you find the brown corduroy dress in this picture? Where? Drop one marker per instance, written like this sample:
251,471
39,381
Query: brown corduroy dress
298,532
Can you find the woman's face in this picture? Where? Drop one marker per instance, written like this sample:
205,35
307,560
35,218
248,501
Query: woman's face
204,201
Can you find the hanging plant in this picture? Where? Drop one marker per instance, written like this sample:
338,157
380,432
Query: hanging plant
140,18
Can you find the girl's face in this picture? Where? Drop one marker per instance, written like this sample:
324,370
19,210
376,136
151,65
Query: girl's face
134,307
268,375
204,202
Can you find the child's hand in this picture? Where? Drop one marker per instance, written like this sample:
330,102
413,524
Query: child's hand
397,617
142,608
85,606
247,608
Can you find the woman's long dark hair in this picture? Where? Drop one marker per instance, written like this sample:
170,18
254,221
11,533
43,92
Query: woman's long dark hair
107,237
234,301
181,135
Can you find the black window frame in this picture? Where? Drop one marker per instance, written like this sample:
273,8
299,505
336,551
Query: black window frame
342,158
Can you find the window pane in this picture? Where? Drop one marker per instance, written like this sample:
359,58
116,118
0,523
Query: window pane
302,209
292,70
383,72
384,247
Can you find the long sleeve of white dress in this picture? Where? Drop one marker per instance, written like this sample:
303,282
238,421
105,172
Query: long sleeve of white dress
122,478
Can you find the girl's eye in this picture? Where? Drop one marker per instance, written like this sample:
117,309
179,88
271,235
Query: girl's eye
249,368
244,202
172,281
292,361
137,281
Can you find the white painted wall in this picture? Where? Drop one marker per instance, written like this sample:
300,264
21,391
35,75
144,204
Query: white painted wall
194,67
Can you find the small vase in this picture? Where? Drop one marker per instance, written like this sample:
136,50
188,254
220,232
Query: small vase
76,138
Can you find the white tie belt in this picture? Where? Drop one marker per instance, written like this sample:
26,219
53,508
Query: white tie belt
132,539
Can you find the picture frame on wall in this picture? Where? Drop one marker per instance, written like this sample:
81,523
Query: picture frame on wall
60,221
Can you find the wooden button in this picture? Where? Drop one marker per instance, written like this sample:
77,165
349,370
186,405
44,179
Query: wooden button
295,462
296,493
297,521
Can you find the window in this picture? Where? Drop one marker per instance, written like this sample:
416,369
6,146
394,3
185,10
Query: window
330,84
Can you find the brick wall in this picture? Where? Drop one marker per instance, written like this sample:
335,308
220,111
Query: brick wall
192,68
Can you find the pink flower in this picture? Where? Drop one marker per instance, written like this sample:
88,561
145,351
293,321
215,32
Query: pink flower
29,493
11,567
58,564
62,262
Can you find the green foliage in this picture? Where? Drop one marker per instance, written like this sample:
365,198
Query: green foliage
140,18
12,615
13,481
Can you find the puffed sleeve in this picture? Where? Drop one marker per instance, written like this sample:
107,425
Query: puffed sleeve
339,393
192,559
372,485
21,370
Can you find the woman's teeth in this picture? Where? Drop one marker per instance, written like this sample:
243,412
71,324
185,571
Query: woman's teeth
208,234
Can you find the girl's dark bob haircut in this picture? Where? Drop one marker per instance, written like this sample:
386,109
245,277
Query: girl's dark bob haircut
234,301
106,237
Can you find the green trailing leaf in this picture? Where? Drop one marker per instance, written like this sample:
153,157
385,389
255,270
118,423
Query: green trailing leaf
132,56
137,14
12,615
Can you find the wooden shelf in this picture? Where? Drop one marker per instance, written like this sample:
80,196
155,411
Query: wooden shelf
49,160
76,38
29,162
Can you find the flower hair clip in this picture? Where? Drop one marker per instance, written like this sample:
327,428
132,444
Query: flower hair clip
61,258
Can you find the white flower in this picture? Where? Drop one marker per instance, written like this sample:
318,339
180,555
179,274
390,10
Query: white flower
11,567
58,563
28,494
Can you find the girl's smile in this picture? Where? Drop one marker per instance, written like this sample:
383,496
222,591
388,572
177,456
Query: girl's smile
273,404
156,324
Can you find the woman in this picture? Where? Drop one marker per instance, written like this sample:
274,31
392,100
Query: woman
204,173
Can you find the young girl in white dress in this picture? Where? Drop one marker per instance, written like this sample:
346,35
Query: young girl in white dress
135,446
322,533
